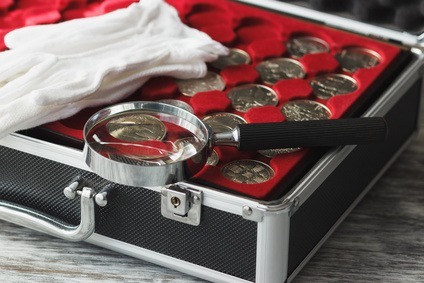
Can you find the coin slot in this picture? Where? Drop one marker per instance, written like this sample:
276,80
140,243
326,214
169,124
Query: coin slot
300,46
276,69
211,81
352,59
247,171
328,86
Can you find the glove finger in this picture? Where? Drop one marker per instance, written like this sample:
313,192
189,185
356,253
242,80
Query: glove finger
20,75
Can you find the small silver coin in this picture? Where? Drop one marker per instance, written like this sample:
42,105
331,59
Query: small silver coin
178,103
223,122
247,171
211,81
304,110
352,59
302,45
270,153
273,70
136,127
234,58
327,86
213,160
248,96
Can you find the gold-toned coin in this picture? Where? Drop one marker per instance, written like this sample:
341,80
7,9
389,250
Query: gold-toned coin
136,127
247,171
211,81
273,70
302,45
213,160
354,58
327,86
235,57
223,122
178,103
248,96
304,110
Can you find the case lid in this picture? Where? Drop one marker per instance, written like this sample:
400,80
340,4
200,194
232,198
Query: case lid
381,19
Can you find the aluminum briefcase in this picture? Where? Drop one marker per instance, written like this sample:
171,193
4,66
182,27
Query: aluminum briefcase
223,230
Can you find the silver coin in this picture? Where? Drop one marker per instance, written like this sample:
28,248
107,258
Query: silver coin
247,172
327,86
270,153
352,59
234,58
304,110
302,45
213,160
178,103
187,147
211,81
136,127
252,95
273,70
223,122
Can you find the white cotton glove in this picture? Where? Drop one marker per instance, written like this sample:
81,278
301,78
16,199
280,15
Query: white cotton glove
144,19
50,79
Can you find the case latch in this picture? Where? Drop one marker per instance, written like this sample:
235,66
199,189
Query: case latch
181,204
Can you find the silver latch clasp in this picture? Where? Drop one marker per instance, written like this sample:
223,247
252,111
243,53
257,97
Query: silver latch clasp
181,204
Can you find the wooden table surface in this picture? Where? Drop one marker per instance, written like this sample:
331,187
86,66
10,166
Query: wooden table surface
382,240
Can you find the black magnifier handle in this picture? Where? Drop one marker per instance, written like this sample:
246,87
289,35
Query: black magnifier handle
315,133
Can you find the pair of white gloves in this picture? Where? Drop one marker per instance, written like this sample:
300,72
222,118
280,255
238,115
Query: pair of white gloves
53,71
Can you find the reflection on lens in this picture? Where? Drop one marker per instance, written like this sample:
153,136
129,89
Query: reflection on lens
145,138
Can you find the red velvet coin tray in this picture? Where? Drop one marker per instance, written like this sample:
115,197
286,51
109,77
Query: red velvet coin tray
262,34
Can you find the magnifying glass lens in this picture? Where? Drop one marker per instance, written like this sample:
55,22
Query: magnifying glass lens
145,138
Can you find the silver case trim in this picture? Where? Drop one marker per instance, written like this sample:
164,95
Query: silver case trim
340,22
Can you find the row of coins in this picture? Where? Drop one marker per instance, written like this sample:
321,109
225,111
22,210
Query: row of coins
350,59
253,171
245,97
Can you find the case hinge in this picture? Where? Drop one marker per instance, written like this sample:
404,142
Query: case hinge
181,204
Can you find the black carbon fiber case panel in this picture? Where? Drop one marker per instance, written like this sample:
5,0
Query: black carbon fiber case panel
326,205
223,241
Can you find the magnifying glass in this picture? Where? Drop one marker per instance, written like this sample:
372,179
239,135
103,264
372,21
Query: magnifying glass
149,144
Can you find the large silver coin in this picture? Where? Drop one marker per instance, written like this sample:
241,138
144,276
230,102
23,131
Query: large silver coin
213,160
209,82
273,70
247,172
234,58
252,95
352,59
136,127
304,110
302,45
223,122
327,86
178,103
